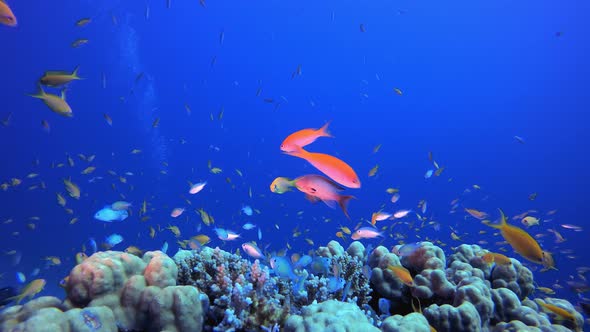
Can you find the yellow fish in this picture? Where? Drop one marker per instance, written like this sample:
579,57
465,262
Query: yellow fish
59,78
30,290
55,103
72,189
523,243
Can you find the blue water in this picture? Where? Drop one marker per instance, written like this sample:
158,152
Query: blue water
473,75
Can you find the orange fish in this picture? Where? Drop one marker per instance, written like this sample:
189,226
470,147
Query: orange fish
319,188
379,216
402,274
30,290
523,243
333,167
6,15
476,214
304,137
492,257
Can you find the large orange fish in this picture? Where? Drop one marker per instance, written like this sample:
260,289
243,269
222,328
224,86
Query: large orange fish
333,167
319,188
304,137
6,15
523,243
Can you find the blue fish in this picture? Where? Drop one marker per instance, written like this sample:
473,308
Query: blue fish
384,306
114,239
247,210
320,265
304,261
107,214
335,284
164,247
92,245
282,268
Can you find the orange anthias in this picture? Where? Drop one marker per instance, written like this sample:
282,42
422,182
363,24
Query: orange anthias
333,167
317,187
6,15
523,243
304,137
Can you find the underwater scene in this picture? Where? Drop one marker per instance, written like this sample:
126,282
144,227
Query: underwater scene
222,165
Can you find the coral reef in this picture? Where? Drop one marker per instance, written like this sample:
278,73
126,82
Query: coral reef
332,290
329,316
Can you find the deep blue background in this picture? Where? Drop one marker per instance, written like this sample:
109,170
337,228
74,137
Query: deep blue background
473,75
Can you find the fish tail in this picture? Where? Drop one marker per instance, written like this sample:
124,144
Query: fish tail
75,73
324,130
502,221
343,202
298,152
40,94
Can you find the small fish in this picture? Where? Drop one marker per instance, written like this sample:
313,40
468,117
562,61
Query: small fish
373,171
519,139
523,243
499,259
402,274
60,199
107,214
362,28
55,103
83,21
30,290
156,123
532,196
248,226
80,257
120,205
428,174
476,214
530,221
108,119
379,216
366,233
58,78
247,210
79,42
164,248
252,250
176,212
398,91
281,185
304,137
333,167
572,227
113,239
401,214
72,189
197,187
395,197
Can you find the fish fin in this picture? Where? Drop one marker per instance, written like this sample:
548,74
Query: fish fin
324,132
502,221
343,202
330,203
312,199
298,152
40,94
75,73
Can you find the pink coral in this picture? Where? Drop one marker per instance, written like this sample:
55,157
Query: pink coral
259,275
221,278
